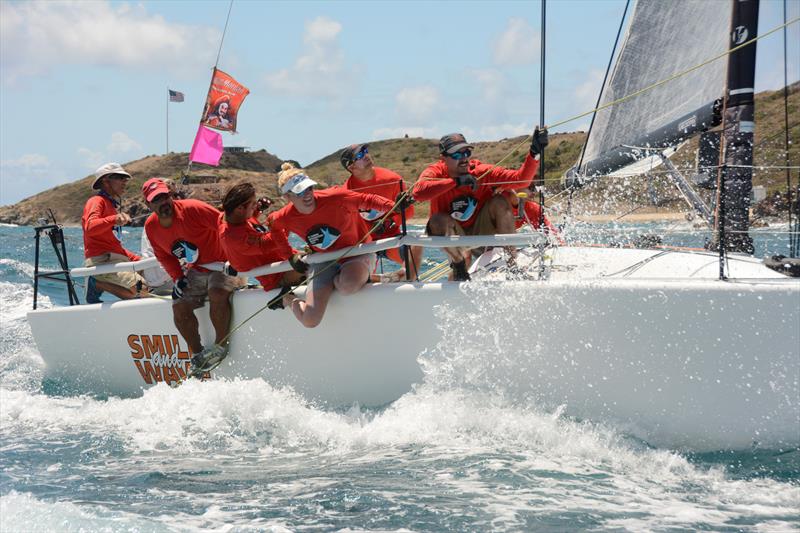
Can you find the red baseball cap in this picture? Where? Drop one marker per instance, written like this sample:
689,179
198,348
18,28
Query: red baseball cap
153,187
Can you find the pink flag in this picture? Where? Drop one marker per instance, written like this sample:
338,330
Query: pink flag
207,147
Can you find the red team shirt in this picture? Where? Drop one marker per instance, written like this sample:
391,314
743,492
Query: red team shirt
387,185
462,203
335,223
99,217
193,237
247,247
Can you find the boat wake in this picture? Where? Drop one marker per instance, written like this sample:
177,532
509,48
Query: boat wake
467,448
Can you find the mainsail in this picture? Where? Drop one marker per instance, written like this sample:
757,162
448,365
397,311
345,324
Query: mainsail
664,38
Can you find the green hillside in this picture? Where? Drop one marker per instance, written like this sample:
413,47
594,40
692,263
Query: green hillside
408,156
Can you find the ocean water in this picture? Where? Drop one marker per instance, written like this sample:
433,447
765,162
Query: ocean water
244,456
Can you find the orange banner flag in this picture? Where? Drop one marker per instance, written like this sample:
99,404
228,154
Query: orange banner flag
225,96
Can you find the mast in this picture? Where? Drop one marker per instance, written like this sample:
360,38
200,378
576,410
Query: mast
738,121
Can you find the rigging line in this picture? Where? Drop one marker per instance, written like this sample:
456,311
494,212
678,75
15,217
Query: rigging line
605,78
641,91
224,31
677,75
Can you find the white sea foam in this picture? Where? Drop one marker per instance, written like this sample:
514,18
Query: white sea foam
20,364
221,420
23,512
26,269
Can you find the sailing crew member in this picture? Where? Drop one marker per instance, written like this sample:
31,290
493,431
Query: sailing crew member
247,244
368,178
462,194
184,235
326,220
157,279
102,235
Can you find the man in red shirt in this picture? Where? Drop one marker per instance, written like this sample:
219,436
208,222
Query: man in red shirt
326,220
367,178
247,244
184,235
462,194
102,235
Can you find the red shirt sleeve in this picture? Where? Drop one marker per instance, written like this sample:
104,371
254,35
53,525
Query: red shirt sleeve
505,178
432,182
279,234
95,223
372,201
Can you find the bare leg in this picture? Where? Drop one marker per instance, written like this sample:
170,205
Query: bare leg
415,260
503,220
291,278
186,322
219,304
310,312
352,276
441,225
119,291
501,214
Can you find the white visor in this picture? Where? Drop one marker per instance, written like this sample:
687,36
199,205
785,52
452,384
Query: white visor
297,184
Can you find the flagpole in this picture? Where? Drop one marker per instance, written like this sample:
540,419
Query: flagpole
167,152
214,71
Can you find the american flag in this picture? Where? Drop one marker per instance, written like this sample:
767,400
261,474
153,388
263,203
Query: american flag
175,96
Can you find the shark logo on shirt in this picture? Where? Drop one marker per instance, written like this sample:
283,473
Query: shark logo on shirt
463,207
186,252
371,215
322,236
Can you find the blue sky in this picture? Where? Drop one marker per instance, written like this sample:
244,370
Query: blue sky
83,83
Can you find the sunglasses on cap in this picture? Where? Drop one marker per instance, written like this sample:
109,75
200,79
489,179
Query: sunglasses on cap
458,156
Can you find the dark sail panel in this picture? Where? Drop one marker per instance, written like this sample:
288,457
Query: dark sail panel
663,39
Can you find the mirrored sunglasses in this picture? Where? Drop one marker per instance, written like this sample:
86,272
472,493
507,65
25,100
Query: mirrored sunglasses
458,156
360,155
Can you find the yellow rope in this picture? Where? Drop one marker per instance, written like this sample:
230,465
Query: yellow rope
644,90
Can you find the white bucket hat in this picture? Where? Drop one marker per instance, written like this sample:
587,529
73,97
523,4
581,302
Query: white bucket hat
105,170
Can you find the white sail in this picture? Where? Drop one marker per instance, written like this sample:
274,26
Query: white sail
664,38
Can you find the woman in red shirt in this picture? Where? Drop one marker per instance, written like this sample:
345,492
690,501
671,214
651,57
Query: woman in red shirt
248,244
326,220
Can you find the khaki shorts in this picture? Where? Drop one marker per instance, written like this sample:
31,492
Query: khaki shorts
199,284
483,224
123,279
322,274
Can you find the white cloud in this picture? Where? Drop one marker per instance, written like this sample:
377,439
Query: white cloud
417,103
517,45
320,70
493,84
37,36
585,97
587,91
27,174
120,143
91,158
27,162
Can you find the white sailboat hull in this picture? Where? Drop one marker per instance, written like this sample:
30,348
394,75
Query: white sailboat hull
684,361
